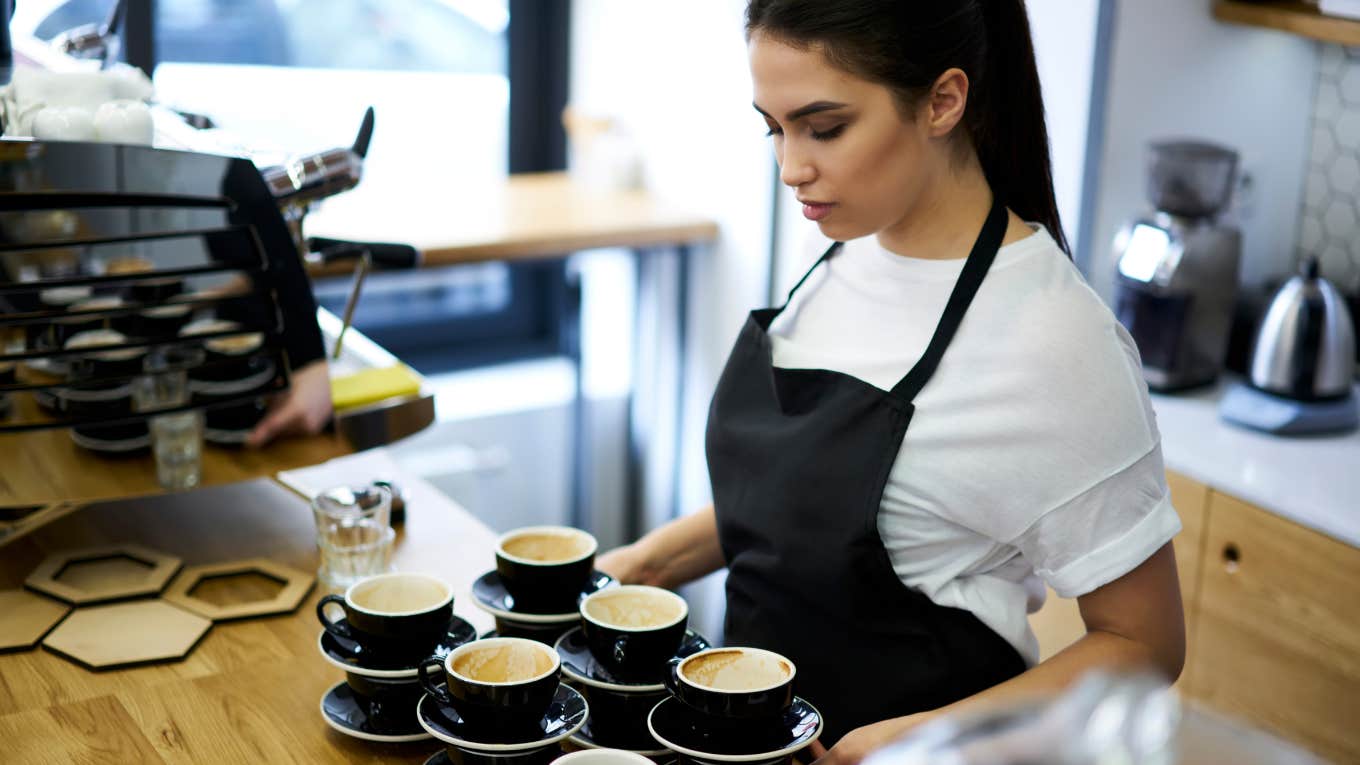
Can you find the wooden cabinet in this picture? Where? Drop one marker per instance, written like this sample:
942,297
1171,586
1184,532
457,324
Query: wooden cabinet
1058,624
1272,614
1278,628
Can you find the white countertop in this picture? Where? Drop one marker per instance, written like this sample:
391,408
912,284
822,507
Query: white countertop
1313,481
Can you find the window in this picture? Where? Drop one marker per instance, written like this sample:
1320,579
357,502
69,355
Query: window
287,76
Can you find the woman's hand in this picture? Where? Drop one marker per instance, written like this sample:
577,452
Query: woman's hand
858,743
302,409
622,563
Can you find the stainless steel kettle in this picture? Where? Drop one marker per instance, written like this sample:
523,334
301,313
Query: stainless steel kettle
1305,346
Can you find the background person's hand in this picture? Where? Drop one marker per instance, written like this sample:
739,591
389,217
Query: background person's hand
303,409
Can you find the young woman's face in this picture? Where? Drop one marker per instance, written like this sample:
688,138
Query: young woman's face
842,143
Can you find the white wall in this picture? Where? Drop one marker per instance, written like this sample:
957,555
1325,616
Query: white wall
675,75
1177,72
1065,37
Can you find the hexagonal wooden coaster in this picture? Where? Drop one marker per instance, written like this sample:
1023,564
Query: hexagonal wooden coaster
127,634
26,618
296,585
101,574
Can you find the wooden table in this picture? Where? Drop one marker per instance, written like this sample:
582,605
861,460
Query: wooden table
250,690
518,217
536,216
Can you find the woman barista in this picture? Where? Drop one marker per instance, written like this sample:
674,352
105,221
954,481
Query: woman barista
895,565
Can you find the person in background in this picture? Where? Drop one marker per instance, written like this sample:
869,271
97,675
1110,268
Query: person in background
944,416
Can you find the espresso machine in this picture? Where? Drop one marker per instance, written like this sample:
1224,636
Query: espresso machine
1177,266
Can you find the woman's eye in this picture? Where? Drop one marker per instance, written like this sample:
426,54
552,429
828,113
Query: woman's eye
828,135
772,131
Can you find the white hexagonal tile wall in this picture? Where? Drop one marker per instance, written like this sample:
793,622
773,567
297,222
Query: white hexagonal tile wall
1350,84
1345,176
1329,225
1347,127
1339,219
1324,145
1328,106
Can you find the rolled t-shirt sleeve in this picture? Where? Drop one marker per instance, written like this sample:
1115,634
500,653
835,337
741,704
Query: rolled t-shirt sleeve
1104,532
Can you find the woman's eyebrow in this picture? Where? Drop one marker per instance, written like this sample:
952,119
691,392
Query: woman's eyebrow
803,111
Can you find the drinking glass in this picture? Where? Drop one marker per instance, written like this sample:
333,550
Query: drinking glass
176,438
353,533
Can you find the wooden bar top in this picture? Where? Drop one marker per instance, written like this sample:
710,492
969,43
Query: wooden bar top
520,216
250,691
44,466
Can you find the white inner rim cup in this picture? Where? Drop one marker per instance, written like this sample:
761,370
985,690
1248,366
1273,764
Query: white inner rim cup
487,643
644,589
369,582
793,668
566,532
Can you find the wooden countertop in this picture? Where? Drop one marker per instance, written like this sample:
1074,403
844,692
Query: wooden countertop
249,691
44,466
522,216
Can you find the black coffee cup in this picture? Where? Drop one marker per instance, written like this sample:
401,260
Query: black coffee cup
633,630
500,685
231,360
163,321
391,701
735,684
544,632
79,321
401,615
619,719
96,363
87,398
546,568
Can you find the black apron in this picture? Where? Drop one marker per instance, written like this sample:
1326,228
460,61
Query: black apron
799,459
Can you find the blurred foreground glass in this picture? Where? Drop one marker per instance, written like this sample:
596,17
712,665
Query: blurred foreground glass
353,534
176,439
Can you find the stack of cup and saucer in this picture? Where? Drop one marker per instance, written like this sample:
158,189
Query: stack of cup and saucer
618,657
391,623
733,705
499,701
542,573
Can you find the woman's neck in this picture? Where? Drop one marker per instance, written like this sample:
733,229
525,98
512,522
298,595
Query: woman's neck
944,222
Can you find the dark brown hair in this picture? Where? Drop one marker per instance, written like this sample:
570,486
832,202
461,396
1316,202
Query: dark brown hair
907,44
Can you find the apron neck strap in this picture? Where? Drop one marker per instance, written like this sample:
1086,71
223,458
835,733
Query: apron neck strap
835,246
974,269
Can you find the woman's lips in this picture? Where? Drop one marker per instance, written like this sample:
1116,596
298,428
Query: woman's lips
815,211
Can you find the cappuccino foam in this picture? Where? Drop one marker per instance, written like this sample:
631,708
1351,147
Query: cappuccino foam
634,610
736,670
503,663
547,548
396,595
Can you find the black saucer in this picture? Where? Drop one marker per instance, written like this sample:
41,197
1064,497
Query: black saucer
579,664
683,730
349,713
564,717
352,657
586,740
473,757
490,595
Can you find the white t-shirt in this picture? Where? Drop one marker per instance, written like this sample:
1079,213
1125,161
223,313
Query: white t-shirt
1033,448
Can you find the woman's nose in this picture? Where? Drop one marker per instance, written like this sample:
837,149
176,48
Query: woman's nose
794,167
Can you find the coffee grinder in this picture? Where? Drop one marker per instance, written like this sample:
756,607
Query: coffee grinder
1177,267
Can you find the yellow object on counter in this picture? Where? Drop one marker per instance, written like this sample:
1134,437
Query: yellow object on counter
370,385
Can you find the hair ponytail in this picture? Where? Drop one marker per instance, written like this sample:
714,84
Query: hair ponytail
907,45
1008,127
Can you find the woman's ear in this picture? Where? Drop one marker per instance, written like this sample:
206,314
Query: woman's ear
947,102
